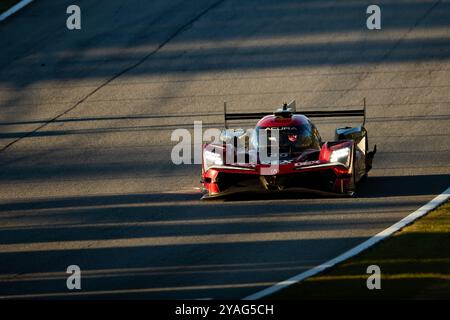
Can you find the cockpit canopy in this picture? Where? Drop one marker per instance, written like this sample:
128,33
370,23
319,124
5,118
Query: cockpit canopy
292,136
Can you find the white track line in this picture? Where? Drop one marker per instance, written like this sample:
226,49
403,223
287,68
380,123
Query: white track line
356,250
14,9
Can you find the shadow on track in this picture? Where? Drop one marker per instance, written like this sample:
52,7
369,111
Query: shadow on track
373,187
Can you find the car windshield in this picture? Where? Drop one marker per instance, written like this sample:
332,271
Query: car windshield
288,139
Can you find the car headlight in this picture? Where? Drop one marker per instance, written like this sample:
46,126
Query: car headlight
211,158
340,155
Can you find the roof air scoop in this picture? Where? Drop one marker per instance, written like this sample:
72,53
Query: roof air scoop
286,110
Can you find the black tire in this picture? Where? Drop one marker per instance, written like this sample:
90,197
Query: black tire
351,189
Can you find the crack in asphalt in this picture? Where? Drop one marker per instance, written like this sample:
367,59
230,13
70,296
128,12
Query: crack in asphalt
124,71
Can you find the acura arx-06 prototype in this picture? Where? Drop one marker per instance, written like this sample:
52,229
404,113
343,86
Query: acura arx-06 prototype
285,152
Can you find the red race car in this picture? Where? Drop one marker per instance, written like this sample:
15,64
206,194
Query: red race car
286,152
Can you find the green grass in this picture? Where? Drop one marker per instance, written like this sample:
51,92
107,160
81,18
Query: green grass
6,4
414,262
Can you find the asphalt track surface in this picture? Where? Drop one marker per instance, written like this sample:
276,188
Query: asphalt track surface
86,118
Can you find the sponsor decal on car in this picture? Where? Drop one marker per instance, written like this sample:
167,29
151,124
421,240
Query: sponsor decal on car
306,163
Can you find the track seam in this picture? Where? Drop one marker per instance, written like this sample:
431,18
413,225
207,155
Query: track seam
124,71
365,75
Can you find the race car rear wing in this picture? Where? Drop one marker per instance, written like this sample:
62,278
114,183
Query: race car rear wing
292,107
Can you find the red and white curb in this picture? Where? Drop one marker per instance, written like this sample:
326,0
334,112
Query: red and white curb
356,250
14,9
